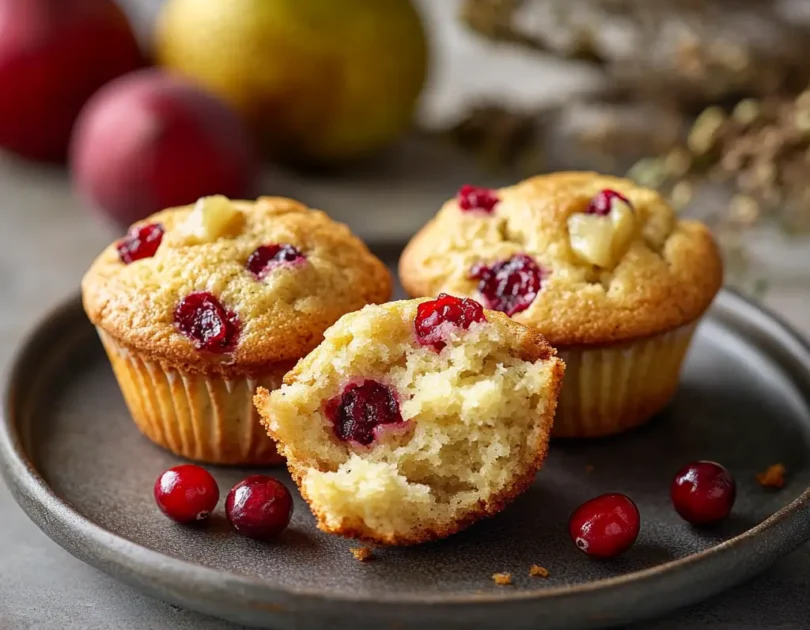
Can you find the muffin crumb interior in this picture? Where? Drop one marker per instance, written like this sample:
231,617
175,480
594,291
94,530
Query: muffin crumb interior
476,421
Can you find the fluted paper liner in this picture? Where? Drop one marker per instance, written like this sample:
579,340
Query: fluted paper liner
612,389
205,418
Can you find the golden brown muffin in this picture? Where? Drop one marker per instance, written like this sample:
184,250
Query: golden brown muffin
198,305
414,419
602,267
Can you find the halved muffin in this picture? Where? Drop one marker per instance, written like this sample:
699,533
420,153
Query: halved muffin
414,419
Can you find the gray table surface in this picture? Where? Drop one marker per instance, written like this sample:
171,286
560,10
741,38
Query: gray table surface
46,242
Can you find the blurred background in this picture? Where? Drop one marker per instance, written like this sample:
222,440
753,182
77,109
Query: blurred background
378,111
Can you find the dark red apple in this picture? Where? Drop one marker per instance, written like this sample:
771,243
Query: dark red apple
54,54
151,140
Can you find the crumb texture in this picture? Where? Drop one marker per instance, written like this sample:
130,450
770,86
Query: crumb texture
772,477
283,314
477,417
537,571
502,579
362,554
665,273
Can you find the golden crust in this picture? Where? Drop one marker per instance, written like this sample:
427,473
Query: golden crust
529,345
282,317
667,278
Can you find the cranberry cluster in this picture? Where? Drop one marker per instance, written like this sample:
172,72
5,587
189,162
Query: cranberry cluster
257,507
472,198
260,507
603,200
434,316
510,285
142,241
702,493
201,317
268,257
359,412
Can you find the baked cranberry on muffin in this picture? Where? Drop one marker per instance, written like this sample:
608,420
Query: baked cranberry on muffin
198,305
414,419
603,268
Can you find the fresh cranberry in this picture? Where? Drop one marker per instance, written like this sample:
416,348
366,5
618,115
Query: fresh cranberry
474,198
259,507
201,317
360,409
509,285
140,242
703,492
434,317
186,493
268,257
605,526
602,202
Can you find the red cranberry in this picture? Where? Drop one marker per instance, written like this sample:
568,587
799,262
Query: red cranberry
142,241
268,257
703,492
605,526
361,409
433,318
603,201
475,198
509,285
186,493
259,507
202,318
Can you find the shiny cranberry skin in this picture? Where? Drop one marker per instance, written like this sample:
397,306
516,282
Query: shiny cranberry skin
142,241
703,492
202,318
361,409
268,257
474,198
259,507
603,200
511,285
605,526
434,316
186,493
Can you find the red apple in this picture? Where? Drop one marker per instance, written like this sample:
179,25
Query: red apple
54,54
150,140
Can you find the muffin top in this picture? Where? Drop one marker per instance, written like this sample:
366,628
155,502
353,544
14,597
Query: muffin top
231,285
586,258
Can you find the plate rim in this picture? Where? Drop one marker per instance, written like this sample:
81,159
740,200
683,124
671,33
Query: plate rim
101,548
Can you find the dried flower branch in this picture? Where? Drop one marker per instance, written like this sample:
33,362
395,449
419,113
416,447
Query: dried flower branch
682,51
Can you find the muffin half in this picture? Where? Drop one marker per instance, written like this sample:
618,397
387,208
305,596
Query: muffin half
414,419
603,268
199,305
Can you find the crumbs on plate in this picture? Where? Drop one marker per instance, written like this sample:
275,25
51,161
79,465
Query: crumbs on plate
537,571
362,554
773,477
502,579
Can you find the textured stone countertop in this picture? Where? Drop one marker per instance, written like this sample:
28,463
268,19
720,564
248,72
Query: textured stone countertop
46,242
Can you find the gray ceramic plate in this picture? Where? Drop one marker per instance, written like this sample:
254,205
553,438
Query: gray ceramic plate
83,473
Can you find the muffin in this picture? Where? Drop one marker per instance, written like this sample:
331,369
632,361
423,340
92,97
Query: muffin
199,305
414,419
603,268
